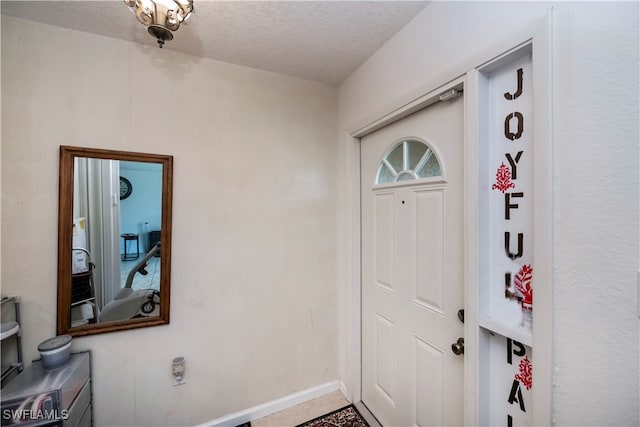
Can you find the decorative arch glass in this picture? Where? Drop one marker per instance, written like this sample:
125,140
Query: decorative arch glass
409,159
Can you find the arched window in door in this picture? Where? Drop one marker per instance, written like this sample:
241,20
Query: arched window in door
408,159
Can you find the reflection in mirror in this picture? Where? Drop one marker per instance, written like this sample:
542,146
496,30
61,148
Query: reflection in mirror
115,272
114,225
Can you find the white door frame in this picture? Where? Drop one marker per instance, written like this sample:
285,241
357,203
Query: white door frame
540,37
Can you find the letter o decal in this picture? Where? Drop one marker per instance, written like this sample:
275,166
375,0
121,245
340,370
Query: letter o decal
507,126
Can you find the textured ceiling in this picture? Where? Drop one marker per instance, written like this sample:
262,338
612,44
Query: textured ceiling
323,41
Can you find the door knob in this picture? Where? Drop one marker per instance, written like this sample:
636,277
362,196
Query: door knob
458,347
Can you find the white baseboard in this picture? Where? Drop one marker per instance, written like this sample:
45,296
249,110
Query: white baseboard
345,390
269,408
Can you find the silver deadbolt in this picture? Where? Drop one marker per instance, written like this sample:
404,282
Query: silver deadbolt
458,347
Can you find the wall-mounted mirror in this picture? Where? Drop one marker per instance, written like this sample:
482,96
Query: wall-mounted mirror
114,240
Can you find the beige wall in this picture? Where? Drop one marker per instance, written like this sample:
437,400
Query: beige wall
596,181
254,225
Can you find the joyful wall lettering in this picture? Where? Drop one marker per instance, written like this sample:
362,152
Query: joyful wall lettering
516,286
511,182
523,379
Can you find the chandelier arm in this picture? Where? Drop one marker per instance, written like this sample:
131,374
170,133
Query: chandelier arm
144,15
172,21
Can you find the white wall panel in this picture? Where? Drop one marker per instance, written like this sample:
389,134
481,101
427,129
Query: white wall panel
253,304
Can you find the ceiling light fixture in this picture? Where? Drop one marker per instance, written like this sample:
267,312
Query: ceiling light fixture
161,17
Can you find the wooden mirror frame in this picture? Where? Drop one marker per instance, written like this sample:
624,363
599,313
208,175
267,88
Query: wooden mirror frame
65,231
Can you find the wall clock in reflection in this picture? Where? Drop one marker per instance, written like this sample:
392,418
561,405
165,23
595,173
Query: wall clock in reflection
125,188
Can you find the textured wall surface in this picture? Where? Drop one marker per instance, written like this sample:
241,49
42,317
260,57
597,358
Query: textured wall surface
253,306
596,215
595,177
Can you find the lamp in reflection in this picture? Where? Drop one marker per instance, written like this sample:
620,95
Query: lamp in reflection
161,17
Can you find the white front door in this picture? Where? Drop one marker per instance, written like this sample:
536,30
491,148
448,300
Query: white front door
412,268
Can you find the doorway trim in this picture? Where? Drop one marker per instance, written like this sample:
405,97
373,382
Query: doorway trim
540,38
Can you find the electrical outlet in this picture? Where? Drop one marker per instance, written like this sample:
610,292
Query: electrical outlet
177,369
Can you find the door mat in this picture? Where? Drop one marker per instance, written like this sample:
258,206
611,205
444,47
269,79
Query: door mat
343,417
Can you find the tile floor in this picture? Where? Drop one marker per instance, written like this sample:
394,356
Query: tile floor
303,412
312,409
150,281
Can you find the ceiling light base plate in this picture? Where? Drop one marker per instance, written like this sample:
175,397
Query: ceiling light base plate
160,33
